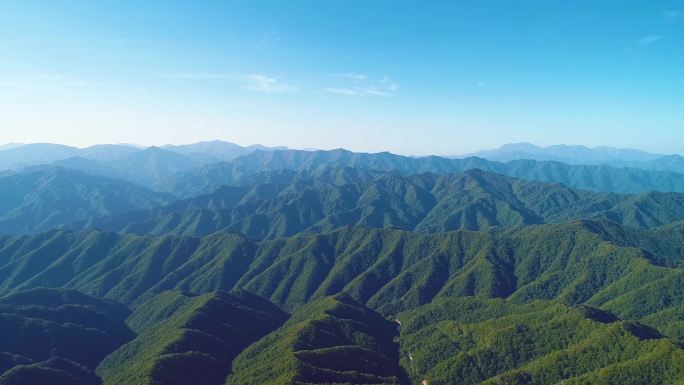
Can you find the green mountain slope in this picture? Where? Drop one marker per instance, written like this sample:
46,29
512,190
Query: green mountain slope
428,203
614,274
476,341
52,371
55,334
593,262
332,340
182,336
41,198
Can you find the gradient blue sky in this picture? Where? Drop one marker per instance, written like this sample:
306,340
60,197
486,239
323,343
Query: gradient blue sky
441,77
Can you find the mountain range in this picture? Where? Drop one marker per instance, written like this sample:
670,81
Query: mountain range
216,264
612,156
632,275
426,203
185,171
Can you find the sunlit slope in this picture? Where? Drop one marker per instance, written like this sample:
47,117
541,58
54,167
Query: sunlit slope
332,340
476,341
189,339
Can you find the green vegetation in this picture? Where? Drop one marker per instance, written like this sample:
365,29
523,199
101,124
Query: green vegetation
41,198
585,177
52,371
593,262
390,277
332,340
327,199
57,336
181,336
477,341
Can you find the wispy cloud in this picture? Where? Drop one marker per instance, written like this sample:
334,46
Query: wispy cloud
360,84
352,76
648,40
262,83
389,84
342,91
198,76
672,15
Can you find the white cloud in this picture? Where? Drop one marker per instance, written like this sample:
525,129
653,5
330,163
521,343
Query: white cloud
671,15
648,40
359,85
371,90
197,76
342,91
352,76
262,83
389,84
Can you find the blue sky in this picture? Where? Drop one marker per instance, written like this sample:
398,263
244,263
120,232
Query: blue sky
440,77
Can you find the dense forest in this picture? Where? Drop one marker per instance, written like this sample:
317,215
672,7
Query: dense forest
218,264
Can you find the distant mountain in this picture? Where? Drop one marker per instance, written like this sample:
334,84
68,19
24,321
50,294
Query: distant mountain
57,336
581,155
585,177
572,154
220,150
106,152
196,169
150,167
8,146
147,168
33,154
44,197
327,199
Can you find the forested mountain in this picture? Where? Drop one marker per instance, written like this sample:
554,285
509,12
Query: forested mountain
40,198
333,340
585,177
292,267
590,262
478,341
285,203
182,335
200,168
57,336
634,274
